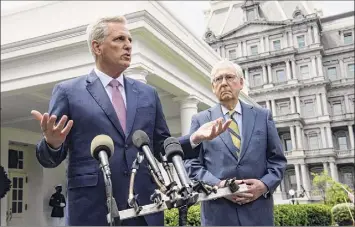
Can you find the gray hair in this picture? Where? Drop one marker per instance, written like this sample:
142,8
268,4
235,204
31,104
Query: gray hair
98,30
225,63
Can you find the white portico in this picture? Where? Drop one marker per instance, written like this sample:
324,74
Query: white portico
43,45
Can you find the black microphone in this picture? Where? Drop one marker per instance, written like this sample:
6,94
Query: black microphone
141,141
174,154
102,149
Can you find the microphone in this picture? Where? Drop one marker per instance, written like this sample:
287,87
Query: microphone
174,154
141,140
102,149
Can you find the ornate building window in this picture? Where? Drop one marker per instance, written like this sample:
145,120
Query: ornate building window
337,106
286,142
232,54
313,140
308,107
304,70
351,70
276,44
257,80
341,140
348,38
332,73
301,41
254,50
283,108
347,176
251,15
280,75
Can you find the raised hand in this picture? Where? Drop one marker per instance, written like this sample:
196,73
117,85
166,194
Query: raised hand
53,133
210,130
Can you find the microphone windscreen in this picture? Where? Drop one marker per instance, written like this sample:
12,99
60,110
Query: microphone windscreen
140,139
172,147
102,143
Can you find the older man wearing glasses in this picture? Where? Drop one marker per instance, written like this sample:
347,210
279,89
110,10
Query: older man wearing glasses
250,151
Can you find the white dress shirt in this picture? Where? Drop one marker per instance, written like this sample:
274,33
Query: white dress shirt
105,80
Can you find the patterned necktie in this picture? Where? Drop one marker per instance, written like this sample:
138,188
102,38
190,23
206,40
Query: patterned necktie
118,103
234,131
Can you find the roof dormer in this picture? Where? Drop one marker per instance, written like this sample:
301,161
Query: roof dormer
251,10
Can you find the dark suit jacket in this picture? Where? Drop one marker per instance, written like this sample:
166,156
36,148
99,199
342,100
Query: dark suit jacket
55,201
261,158
85,101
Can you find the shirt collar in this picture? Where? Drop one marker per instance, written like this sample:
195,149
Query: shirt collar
106,79
237,108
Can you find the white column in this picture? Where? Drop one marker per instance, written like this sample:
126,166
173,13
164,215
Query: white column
246,74
269,72
223,51
325,104
262,44
342,69
266,45
314,69
322,133
245,48
137,74
288,69
264,74
298,177
310,38
4,153
325,167
188,108
273,107
293,138
268,104
316,34
351,135
240,51
294,75
290,39
320,65
319,104
298,105
293,107
330,137
305,178
333,171
284,41
299,138
347,104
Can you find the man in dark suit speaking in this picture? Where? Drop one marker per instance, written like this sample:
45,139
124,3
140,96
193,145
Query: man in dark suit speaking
107,102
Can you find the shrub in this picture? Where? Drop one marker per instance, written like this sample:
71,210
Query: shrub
342,215
284,215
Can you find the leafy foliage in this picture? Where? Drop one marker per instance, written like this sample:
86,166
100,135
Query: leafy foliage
341,214
284,215
332,191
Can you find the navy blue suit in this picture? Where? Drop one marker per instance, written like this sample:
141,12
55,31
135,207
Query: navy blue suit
261,158
85,101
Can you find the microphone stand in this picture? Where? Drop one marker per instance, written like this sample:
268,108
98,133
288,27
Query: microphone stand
113,216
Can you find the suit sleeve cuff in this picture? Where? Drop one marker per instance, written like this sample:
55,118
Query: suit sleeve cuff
193,145
52,149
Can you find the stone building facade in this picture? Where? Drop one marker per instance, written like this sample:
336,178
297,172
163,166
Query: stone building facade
300,65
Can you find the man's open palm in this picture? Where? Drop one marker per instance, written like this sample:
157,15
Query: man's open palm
210,130
54,134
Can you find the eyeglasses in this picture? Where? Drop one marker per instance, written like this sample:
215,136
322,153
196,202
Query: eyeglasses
228,77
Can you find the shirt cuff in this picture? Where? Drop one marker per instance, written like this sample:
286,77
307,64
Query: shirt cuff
52,149
193,145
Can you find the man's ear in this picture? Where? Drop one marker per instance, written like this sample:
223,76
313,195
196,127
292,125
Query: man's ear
96,47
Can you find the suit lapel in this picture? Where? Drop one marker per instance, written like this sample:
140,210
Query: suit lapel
248,120
132,99
98,92
216,112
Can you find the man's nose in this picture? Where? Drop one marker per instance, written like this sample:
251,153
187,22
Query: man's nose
128,45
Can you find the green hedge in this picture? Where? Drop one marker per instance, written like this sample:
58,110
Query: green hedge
285,215
341,214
